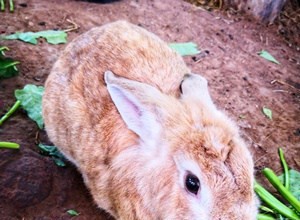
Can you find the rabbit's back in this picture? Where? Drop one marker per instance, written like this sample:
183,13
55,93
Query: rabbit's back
77,109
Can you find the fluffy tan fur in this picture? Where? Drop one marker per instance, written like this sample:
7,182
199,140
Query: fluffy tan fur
126,179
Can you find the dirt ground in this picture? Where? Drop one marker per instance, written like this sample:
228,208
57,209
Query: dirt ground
241,83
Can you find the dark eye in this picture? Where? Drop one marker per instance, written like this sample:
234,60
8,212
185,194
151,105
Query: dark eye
192,183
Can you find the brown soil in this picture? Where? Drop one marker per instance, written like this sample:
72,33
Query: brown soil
241,82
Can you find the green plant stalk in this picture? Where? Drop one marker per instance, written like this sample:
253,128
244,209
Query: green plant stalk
10,112
266,209
2,49
265,217
274,203
9,145
11,5
12,64
2,5
285,169
273,179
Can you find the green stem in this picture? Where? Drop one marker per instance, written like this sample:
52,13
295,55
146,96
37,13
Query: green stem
273,179
274,203
10,112
2,49
11,5
265,217
9,145
2,5
11,64
285,169
265,209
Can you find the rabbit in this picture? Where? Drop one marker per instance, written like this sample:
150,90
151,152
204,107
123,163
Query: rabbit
143,130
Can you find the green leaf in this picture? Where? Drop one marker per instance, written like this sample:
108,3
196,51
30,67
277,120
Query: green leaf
267,112
59,162
51,36
47,149
54,37
267,56
72,212
54,153
294,182
31,101
28,37
185,49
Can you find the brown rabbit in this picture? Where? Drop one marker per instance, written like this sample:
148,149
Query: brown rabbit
145,149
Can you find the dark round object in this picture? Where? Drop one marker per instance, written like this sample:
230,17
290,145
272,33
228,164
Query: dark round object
192,183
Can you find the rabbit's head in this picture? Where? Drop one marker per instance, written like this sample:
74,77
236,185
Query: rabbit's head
188,162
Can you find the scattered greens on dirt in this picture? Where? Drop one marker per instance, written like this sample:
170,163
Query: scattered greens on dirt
11,5
273,203
267,112
53,152
9,145
267,56
7,65
31,101
30,98
275,209
51,36
185,49
72,212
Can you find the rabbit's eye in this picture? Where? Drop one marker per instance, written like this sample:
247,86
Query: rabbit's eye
192,183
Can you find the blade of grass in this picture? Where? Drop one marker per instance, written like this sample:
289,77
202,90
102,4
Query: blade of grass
273,179
2,49
285,169
10,112
2,5
11,5
266,209
9,145
265,217
274,203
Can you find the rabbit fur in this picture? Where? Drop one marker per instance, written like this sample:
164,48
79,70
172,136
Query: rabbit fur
125,109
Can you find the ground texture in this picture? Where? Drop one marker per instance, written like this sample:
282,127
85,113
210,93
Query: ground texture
241,83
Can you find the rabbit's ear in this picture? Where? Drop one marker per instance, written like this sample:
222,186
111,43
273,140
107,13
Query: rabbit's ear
194,87
133,101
